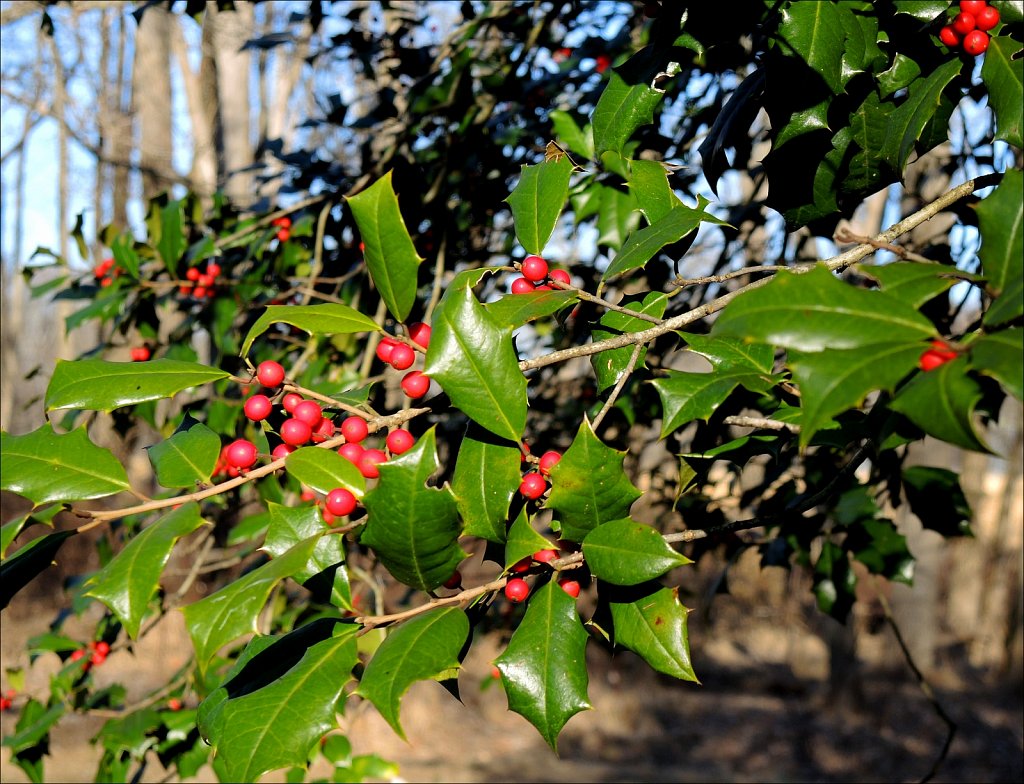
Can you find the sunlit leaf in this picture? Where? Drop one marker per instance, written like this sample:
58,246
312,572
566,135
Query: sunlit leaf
327,319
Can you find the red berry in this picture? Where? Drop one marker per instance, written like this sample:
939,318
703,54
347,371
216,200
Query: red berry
340,502
932,359
517,589
454,581
185,291
307,495
571,587
193,273
548,461
351,451
495,672
291,400
399,441
327,516
419,333
199,292
521,565
103,268
561,276
174,704
522,286
282,450
354,429
206,280
270,373
140,354
368,462
402,357
524,450
533,486
283,222
283,234
415,384
545,556
949,36
241,453
295,432
102,647
323,430
973,6
97,658
76,655
308,411
5,703
603,62
258,407
534,268
975,42
987,18
545,287
384,349
964,23
213,269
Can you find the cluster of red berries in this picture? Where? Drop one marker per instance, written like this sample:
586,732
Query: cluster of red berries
284,228
100,650
7,700
201,284
517,589
939,354
140,353
536,271
105,272
970,27
401,356
534,484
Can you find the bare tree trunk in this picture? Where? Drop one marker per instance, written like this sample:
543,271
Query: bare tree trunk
151,96
201,110
121,137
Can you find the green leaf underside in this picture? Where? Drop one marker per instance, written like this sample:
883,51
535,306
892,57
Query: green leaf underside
424,648
911,281
514,310
1004,77
610,365
588,485
277,725
935,496
654,627
291,525
187,457
907,122
129,581
816,311
537,201
473,360
391,257
414,529
625,552
486,478
45,466
1001,356
326,319
324,470
544,668
232,611
941,402
523,540
21,568
98,385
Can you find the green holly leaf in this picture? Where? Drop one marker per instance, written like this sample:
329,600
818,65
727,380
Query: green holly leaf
324,470
413,528
98,385
588,485
231,612
834,381
171,242
882,549
514,310
575,139
815,311
327,319
901,73
1001,356
938,501
523,540
653,626
290,525
732,124
815,33
21,568
610,365
391,257
629,99
908,121
617,215
544,668
537,201
941,402
914,282
426,647
1001,222
1003,75
257,730
187,457
129,581
487,475
45,466
625,552
472,357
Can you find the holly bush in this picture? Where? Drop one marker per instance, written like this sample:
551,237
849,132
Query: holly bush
336,425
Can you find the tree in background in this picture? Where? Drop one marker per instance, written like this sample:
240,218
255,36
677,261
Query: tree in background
535,257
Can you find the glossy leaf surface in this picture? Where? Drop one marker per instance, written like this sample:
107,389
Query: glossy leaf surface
625,552
327,319
654,627
324,470
487,475
537,201
187,457
941,402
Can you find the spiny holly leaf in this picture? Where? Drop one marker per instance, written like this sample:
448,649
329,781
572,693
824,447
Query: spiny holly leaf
172,240
1001,355
187,457
98,385
391,257
1004,77
617,215
834,582
45,466
291,525
21,568
628,100
588,485
414,529
834,381
231,612
473,359
653,626
487,474
576,139
671,227
537,201
914,282
544,668
324,470
625,552
427,647
128,582
815,33
327,319
815,311
907,122
941,402
514,310
732,123
1001,221
276,725
882,549
610,365
935,496
523,540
